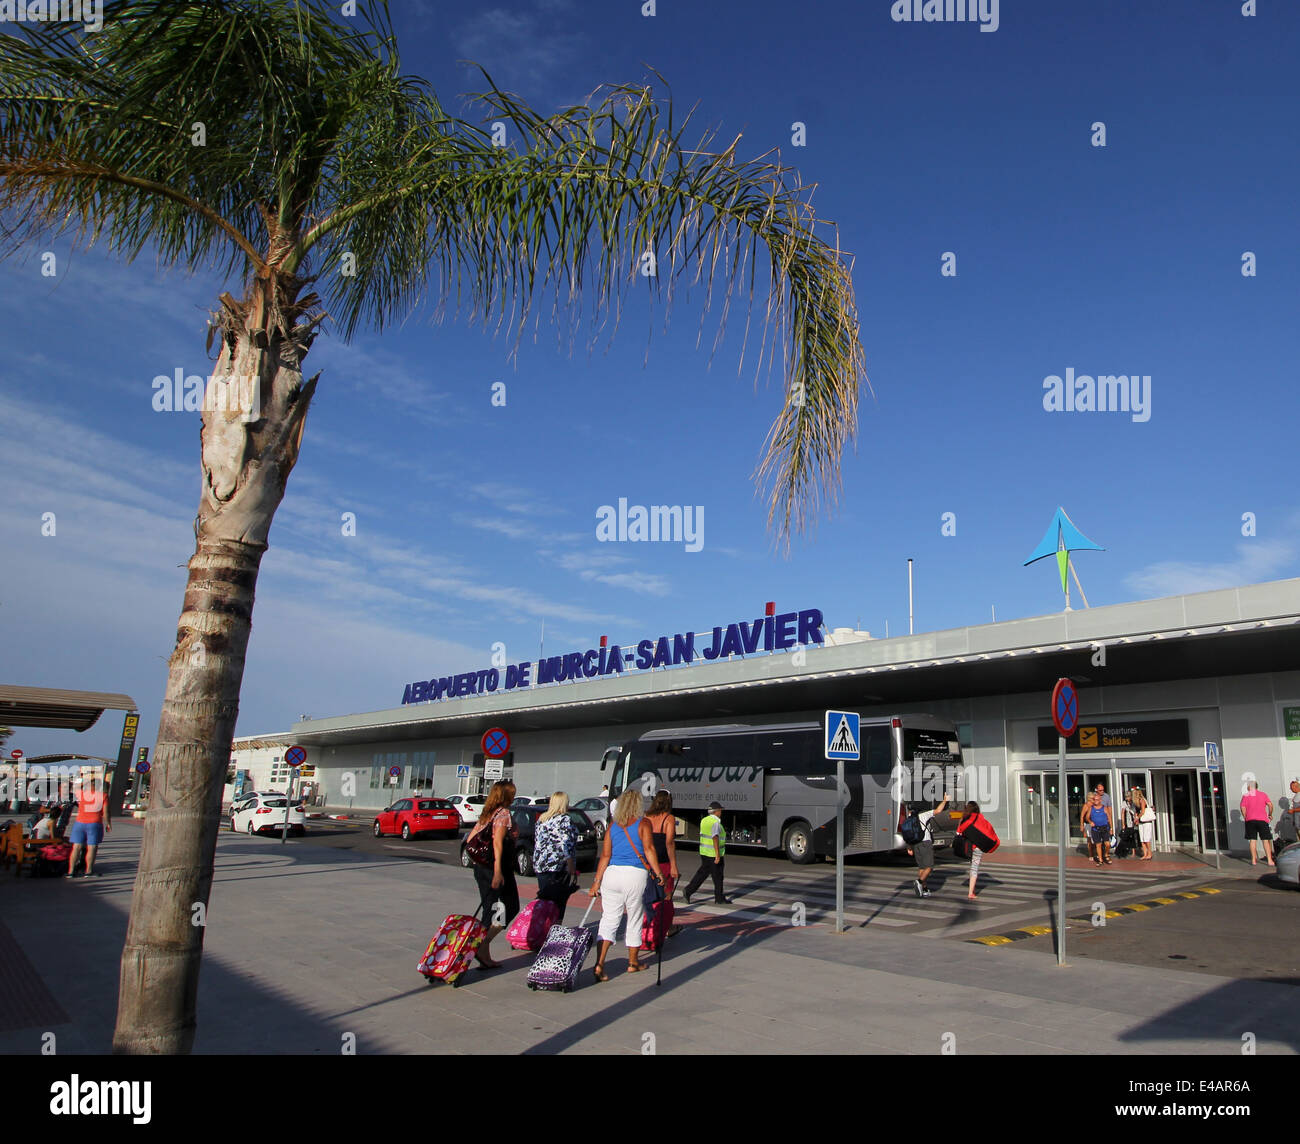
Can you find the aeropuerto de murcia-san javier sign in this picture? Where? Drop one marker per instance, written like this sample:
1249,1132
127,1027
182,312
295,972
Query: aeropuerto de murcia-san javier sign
769,633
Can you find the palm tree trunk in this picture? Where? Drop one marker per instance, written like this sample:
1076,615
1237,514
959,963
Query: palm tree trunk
252,428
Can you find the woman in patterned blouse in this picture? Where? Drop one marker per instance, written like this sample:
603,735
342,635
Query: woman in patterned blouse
554,853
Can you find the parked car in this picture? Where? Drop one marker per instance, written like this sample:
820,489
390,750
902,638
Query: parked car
1288,864
525,819
413,816
597,809
468,806
542,800
254,813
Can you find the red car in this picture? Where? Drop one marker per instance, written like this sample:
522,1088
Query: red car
411,816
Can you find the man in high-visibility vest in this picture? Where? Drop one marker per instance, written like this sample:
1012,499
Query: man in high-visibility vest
713,849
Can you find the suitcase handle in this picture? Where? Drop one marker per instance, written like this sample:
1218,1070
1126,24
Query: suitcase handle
591,902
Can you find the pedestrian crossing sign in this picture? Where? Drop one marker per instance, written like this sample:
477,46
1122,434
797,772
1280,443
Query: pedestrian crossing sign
842,735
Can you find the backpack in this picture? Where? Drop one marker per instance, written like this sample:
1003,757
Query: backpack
912,830
979,833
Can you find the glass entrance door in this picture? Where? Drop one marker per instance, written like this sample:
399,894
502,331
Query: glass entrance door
1075,790
1033,813
1181,808
1207,781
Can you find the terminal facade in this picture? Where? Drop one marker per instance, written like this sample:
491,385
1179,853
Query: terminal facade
1157,679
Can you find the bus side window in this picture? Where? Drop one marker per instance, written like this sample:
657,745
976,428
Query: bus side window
794,754
876,752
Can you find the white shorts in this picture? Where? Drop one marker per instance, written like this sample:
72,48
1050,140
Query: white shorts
621,891
1146,831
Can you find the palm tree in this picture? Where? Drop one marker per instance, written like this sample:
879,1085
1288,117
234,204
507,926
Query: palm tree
266,141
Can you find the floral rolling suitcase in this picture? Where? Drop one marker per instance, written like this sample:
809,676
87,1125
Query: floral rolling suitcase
452,947
532,924
560,960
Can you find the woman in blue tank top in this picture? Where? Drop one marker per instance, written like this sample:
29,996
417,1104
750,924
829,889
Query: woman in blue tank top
1095,822
627,861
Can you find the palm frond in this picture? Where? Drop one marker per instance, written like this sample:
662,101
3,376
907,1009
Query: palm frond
323,160
572,209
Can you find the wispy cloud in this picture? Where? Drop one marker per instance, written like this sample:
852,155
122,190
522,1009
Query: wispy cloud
124,505
533,48
383,379
643,582
1256,560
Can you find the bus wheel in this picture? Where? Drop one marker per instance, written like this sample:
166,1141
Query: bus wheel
798,843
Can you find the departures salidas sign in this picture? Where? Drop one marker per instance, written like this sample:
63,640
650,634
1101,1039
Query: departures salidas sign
770,633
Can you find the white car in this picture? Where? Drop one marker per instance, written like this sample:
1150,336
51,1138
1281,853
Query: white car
254,813
468,806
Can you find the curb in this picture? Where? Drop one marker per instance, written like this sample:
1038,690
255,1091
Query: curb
1136,908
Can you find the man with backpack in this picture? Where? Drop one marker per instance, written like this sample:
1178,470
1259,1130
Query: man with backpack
918,832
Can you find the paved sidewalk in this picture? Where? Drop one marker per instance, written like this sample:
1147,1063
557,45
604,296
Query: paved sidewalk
308,945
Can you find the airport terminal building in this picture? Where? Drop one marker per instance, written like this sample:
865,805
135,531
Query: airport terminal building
1158,680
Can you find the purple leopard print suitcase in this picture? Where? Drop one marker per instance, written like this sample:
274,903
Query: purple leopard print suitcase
560,959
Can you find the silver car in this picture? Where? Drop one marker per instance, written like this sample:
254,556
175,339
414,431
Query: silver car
1288,865
597,809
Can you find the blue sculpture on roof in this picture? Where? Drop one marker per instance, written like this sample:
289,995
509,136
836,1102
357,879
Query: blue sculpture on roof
1060,539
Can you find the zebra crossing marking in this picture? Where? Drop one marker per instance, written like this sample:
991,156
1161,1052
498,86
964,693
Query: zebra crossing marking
878,897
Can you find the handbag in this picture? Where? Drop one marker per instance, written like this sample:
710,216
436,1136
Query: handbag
654,890
479,845
961,846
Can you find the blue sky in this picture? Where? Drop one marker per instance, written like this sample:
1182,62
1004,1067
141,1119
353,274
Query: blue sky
475,523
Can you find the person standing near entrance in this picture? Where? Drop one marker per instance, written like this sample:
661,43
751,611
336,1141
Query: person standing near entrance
91,825
1096,824
1146,823
713,850
1257,810
1128,827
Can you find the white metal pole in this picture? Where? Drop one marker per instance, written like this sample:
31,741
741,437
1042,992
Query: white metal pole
288,801
1062,802
839,846
1214,818
909,596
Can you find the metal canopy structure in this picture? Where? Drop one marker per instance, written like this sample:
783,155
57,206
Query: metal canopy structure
1234,631
67,710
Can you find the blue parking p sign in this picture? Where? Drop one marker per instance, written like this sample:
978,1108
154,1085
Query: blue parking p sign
842,740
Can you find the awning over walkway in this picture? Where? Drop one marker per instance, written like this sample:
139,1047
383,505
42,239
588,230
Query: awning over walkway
47,707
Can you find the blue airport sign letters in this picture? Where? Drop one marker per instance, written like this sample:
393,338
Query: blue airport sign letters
767,633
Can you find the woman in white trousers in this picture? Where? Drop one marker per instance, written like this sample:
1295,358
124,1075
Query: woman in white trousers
627,863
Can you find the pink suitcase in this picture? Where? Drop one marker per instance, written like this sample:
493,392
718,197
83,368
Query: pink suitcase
452,947
532,924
